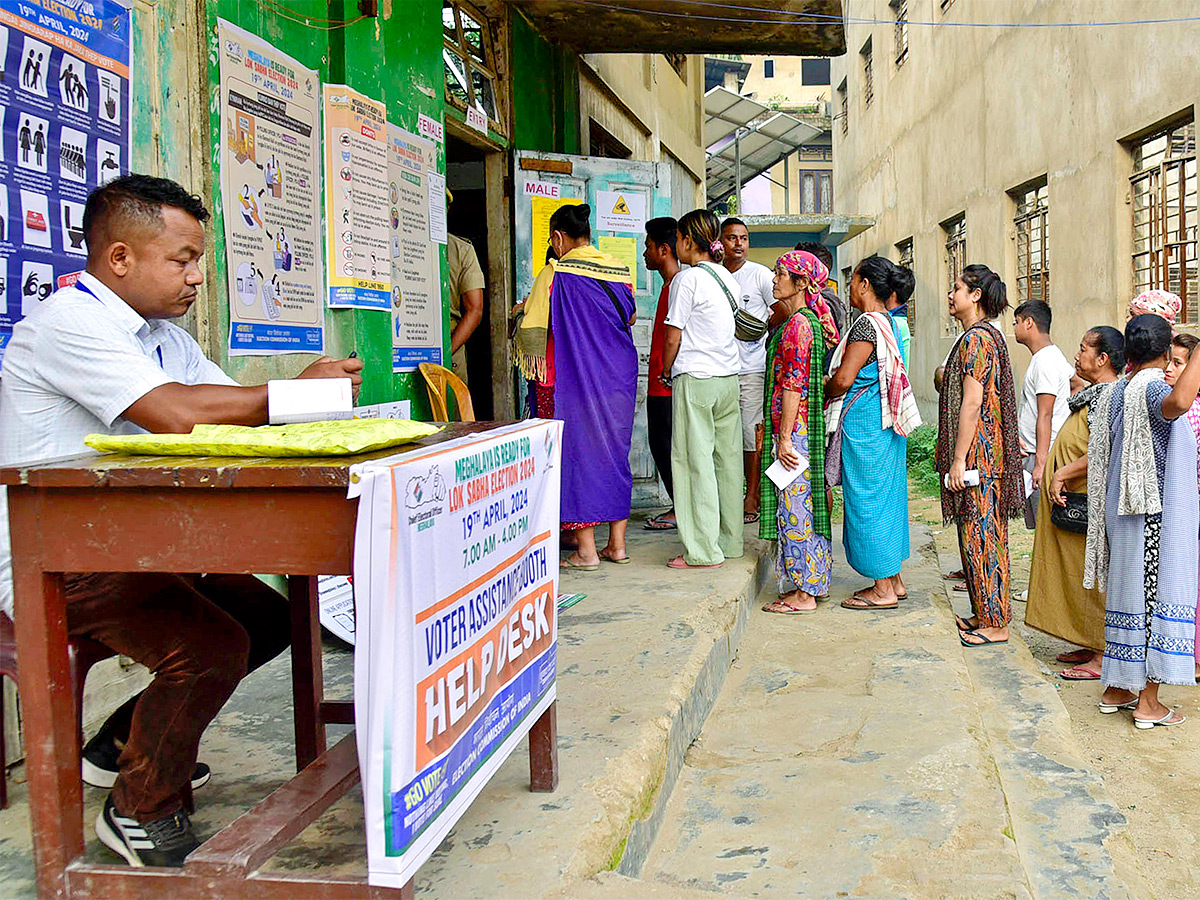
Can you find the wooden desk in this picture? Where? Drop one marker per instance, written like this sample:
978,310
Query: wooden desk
176,514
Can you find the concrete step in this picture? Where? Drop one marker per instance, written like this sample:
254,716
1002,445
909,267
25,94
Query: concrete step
867,754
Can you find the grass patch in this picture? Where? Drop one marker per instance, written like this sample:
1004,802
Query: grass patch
922,444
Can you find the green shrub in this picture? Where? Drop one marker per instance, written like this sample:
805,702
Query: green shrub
922,444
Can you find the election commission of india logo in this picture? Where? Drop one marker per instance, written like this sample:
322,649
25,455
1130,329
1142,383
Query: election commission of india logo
425,496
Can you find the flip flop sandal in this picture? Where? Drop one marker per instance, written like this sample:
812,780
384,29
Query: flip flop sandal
955,576
963,624
1079,673
1074,657
961,587
1147,724
983,640
865,603
900,598
680,563
623,561
658,523
579,567
749,518
1108,709
786,609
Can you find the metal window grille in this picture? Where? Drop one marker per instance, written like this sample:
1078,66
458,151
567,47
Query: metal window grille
678,62
825,195
1163,195
469,62
868,79
946,4
901,8
905,251
956,260
1033,244
845,110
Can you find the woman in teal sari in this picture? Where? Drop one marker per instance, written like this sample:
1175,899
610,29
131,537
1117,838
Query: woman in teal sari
873,410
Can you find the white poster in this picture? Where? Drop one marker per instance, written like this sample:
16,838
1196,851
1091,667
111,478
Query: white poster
620,211
270,178
416,266
456,576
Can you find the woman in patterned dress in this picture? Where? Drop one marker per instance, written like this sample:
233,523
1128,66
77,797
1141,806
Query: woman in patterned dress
797,403
977,430
1142,464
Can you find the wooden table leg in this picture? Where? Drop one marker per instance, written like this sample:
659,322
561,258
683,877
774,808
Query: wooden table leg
308,682
543,751
47,707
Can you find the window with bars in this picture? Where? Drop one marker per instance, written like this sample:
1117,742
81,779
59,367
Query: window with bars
946,4
868,78
900,8
904,252
1033,243
956,259
469,61
1163,195
844,96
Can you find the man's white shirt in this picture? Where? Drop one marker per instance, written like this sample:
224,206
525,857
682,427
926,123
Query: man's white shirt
756,296
1048,373
73,366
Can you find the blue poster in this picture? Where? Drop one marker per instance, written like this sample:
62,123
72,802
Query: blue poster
64,117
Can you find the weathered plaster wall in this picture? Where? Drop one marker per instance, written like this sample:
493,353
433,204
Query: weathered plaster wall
976,112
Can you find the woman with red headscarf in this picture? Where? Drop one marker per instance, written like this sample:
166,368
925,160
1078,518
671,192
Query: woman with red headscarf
795,413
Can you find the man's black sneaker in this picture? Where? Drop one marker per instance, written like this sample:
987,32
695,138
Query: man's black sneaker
100,756
163,842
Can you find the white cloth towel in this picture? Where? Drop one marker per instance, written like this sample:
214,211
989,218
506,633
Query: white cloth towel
898,404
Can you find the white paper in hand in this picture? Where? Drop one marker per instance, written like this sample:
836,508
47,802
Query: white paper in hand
783,477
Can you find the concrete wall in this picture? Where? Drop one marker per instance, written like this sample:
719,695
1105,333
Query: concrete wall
650,108
976,112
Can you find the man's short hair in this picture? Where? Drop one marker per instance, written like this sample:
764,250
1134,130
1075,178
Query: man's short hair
732,220
1037,310
134,202
663,230
819,250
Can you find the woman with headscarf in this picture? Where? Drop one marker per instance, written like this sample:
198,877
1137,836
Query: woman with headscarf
871,412
1156,302
1058,602
1143,496
794,414
977,432
576,347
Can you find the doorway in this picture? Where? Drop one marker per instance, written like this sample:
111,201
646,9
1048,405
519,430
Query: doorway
467,217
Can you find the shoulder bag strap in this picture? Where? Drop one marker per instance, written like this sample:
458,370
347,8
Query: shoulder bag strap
724,287
612,295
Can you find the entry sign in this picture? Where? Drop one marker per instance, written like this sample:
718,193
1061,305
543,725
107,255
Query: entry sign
455,576
620,211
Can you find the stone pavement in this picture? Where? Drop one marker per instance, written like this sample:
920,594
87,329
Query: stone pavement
847,754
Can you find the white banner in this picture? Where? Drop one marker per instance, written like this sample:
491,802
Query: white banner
455,576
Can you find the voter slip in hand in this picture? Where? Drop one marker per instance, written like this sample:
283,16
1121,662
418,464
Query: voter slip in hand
296,400
783,477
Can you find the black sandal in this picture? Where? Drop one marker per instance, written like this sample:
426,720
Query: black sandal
983,639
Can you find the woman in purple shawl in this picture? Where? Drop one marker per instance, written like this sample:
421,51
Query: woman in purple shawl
576,347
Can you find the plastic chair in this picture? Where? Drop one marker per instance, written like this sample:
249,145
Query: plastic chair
437,378
83,654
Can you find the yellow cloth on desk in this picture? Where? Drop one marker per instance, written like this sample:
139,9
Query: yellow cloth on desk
338,438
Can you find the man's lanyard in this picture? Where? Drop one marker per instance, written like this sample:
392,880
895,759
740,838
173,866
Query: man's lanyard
79,285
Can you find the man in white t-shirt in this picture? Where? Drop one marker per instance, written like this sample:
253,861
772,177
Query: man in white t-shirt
1044,396
756,297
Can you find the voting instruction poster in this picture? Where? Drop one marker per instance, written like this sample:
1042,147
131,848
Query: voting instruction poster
270,164
64,117
416,263
455,576
356,200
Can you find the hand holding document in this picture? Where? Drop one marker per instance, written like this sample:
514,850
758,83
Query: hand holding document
782,476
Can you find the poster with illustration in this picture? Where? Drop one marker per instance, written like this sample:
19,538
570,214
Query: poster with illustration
270,182
356,200
416,263
64,95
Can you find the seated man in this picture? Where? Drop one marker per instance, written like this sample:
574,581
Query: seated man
101,357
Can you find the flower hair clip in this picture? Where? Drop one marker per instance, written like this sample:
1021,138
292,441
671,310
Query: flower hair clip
715,247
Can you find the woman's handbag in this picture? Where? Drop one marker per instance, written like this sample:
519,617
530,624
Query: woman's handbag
746,327
1072,517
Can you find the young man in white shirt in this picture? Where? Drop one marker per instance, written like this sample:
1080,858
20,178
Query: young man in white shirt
1044,395
101,357
755,296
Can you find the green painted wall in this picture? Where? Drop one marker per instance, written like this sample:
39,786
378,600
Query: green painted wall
545,91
